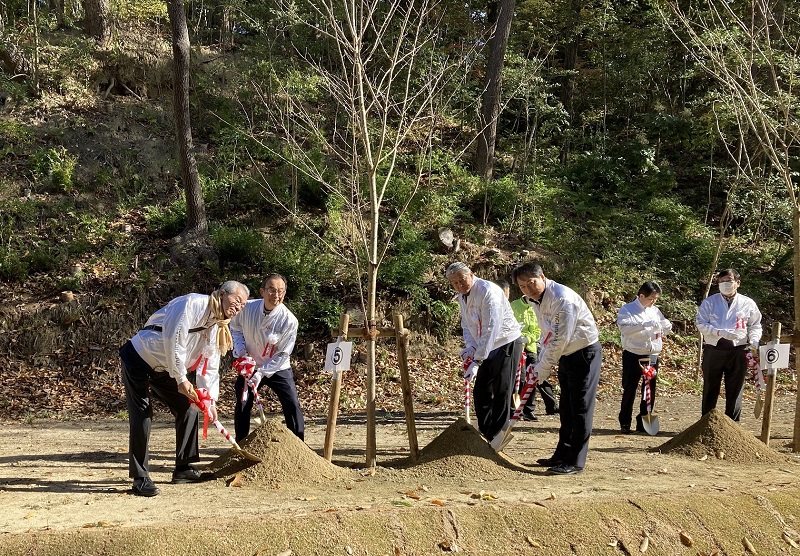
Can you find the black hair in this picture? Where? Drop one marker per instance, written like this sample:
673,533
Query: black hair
728,272
503,283
527,269
269,277
649,288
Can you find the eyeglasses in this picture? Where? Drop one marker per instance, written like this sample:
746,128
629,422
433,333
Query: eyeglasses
235,301
274,291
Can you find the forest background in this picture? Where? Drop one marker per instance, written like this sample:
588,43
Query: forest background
150,149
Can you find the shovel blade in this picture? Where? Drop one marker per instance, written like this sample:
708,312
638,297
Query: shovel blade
759,406
247,455
650,424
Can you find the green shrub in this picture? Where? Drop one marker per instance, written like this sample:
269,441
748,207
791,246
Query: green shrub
166,221
53,169
12,266
237,245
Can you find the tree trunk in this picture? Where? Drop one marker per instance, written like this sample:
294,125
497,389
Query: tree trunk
97,23
490,105
13,60
196,223
571,32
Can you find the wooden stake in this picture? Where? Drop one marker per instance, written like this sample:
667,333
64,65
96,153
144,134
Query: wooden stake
405,382
333,400
771,382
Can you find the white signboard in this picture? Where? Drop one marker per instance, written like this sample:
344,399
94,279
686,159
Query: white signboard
773,356
337,357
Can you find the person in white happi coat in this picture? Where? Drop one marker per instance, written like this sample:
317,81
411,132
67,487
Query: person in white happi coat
730,323
493,344
642,328
187,335
569,339
264,334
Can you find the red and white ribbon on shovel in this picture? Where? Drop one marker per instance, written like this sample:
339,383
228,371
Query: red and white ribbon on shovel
246,367
205,403
467,388
649,373
504,436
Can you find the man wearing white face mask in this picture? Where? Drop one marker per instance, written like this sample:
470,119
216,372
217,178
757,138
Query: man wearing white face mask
730,324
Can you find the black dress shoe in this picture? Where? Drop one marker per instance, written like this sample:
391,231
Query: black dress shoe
548,462
528,416
143,486
554,411
626,430
565,469
190,475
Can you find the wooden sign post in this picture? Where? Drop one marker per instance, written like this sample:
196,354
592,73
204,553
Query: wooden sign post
400,333
336,389
405,382
770,395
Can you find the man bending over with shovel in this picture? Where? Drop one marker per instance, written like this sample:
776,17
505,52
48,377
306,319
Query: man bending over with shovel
569,339
493,346
642,328
263,338
187,335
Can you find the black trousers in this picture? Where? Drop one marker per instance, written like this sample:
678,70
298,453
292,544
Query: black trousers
494,387
578,375
140,382
631,377
282,383
727,364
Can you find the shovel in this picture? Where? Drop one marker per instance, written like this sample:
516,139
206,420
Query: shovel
649,421
236,448
502,438
261,419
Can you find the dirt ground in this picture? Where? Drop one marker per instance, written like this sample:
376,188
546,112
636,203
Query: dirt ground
64,489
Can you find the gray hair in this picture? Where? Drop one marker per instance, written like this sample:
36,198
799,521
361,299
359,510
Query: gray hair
232,286
456,268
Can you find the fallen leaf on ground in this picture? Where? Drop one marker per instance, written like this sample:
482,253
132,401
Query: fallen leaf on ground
533,542
685,538
748,546
789,540
437,502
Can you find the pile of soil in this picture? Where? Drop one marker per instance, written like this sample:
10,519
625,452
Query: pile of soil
461,451
717,436
285,459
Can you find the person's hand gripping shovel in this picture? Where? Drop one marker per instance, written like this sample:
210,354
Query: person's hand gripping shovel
246,367
761,384
649,421
503,437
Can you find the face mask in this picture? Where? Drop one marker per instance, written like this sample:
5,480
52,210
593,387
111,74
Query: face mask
727,288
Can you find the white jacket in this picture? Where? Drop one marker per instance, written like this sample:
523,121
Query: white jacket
567,326
715,316
487,319
177,340
269,339
642,328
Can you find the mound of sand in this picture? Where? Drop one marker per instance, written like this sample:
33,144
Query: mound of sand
715,435
285,459
461,451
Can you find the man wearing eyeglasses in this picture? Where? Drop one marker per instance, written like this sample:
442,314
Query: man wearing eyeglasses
188,335
264,334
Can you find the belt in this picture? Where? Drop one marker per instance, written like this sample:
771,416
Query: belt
158,328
